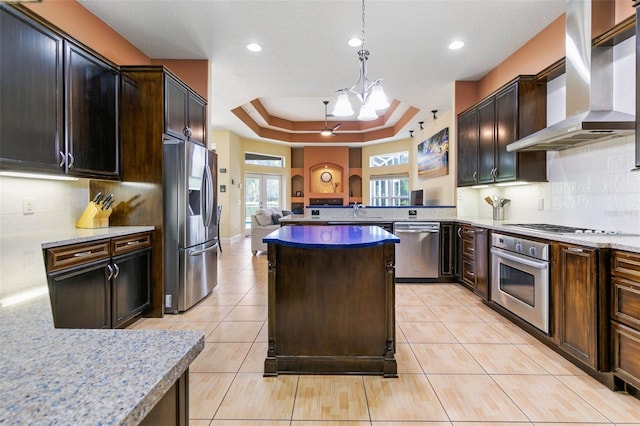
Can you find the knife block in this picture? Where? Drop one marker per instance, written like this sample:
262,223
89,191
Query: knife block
94,217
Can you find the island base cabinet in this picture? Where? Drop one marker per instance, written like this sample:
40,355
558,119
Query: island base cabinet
173,408
626,354
131,288
331,311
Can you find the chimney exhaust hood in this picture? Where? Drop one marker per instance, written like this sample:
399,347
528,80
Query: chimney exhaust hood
589,86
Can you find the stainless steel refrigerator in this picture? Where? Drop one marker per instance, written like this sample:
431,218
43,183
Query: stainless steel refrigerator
190,234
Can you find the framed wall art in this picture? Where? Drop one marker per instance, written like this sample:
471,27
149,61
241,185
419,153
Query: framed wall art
433,155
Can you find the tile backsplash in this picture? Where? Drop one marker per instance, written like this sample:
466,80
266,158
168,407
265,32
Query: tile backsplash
589,186
55,204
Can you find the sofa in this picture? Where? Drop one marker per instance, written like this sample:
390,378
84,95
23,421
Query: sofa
264,222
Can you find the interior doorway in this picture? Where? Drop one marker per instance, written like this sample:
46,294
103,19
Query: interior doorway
260,191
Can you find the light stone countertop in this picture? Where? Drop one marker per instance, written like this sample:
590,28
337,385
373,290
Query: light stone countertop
87,377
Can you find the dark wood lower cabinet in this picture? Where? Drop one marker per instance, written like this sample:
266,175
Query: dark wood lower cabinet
447,252
80,298
90,288
173,408
475,261
580,303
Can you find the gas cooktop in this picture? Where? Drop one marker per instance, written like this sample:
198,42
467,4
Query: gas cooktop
561,229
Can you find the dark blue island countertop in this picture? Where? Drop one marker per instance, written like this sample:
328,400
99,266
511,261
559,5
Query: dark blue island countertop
330,237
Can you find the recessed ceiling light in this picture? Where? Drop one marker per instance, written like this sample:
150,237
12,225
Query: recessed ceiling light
455,45
254,47
355,42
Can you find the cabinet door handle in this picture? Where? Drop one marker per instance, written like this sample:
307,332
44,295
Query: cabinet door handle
71,160
82,253
575,250
110,269
475,175
63,159
460,232
495,173
117,268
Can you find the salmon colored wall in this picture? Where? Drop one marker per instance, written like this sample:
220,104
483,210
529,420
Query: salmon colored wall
72,18
465,94
336,158
624,9
194,72
538,53
78,22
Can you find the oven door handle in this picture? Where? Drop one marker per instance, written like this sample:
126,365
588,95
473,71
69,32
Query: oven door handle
523,260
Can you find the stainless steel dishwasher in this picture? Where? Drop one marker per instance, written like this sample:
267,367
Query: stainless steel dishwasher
417,253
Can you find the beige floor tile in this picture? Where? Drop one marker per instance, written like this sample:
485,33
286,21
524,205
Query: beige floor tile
254,362
233,287
486,313
617,407
406,360
475,398
400,335
514,334
329,423
249,423
206,313
550,360
504,359
258,298
220,358
445,358
407,299
247,313
415,313
475,332
199,422
407,398
235,331
164,323
491,423
252,396
411,424
221,299
205,327
553,401
454,312
263,335
574,424
426,332
330,398
206,391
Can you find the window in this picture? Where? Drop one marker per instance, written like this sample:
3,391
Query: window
263,159
389,159
389,190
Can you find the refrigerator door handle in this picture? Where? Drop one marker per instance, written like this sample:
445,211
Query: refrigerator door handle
209,195
199,252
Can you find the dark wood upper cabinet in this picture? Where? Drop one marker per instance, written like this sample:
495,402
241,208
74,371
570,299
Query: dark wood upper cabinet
91,114
185,112
31,95
59,101
484,131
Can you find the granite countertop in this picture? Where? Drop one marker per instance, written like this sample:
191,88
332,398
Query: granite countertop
612,241
88,377
326,237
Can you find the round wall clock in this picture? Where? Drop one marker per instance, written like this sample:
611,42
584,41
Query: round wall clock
325,177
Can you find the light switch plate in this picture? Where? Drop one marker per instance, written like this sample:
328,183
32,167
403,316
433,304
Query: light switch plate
27,205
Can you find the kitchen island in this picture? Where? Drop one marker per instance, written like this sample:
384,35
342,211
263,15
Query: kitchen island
91,377
331,301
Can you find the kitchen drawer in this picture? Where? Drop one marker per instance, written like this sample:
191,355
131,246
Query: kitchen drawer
626,301
626,265
65,257
468,272
129,243
468,246
626,347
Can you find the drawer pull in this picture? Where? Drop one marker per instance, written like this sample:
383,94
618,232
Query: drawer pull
133,243
83,254
575,250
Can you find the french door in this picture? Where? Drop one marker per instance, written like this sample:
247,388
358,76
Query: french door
261,191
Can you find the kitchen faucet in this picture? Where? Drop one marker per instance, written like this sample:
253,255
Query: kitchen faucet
356,208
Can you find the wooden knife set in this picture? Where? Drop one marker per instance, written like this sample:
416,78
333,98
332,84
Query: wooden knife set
97,212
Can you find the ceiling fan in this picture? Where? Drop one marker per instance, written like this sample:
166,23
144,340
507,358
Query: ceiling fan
328,131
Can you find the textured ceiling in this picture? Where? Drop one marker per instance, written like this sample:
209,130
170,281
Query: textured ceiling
305,55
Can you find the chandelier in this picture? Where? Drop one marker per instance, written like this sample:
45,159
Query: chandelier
369,93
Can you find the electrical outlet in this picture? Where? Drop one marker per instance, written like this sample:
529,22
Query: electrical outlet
541,204
27,205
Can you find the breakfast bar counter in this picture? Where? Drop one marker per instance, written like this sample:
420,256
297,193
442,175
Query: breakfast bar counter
331,300
90,377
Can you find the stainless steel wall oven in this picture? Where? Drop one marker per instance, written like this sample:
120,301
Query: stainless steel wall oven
520,278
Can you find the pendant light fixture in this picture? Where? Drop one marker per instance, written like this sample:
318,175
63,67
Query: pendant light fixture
369,93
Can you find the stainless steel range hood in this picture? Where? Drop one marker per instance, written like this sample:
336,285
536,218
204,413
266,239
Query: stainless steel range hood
589,87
